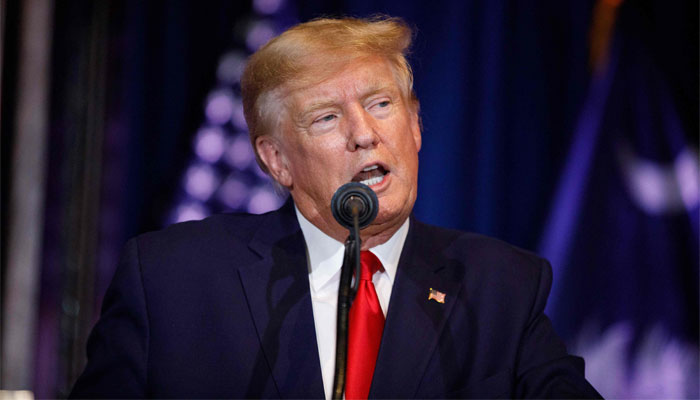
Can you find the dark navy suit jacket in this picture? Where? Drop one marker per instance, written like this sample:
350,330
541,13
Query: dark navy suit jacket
221,309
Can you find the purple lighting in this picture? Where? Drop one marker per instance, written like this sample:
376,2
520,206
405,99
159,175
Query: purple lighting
190,212
687,169
233,193
219,108
231,67
267,6
660,189
259,34
210,144
557,235
663,367
239,153
223,175
259,172
238,117
200,181
263,200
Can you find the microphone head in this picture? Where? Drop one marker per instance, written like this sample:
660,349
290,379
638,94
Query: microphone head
354,194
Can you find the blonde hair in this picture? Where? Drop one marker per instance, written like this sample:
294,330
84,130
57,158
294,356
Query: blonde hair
310,52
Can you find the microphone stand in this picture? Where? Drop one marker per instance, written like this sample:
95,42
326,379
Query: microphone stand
346,294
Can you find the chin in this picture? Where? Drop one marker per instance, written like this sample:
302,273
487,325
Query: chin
390,215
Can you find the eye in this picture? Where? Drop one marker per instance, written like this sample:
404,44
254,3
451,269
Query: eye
326,118
381,107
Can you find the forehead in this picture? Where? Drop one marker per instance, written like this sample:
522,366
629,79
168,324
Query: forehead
352,80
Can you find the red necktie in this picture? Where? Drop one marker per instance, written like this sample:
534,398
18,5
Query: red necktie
365,331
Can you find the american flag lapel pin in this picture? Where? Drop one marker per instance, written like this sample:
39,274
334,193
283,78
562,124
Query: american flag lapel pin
436,295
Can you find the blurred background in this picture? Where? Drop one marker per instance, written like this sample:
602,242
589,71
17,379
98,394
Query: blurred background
566,128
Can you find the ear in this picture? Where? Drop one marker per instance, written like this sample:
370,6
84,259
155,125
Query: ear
272,156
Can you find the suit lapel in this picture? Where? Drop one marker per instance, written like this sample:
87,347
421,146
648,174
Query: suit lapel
277,290
414,323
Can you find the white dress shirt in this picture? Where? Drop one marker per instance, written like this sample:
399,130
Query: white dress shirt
325,257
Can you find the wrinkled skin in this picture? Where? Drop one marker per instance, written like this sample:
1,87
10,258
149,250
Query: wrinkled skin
330,130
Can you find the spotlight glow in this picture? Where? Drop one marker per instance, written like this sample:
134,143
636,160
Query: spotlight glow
267,6
190,212
264,199
219,108
223,175
231,67
233,193
259,34
210,144
239,153
687,170
201,181
238,116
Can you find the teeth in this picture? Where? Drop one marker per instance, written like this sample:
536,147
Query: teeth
370,168
373,181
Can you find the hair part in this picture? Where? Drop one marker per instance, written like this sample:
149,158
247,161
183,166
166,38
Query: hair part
312,51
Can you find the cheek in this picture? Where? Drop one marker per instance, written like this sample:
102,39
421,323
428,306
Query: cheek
319,168
328,151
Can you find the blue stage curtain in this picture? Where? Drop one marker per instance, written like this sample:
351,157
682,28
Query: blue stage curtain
500,85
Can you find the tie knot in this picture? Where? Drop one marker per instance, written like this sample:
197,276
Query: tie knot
369,265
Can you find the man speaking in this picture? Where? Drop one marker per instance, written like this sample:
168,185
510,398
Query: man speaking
245,305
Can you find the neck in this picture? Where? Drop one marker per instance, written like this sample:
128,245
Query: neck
371,236
370,240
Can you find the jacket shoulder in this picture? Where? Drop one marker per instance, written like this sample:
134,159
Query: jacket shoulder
239,225
490,262
201,244
476,248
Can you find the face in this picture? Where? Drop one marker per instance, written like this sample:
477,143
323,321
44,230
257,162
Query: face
353,126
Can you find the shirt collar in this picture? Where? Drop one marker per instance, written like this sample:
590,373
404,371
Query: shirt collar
325,254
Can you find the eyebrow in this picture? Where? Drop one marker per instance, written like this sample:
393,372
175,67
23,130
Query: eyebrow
302,117
374,89
317,105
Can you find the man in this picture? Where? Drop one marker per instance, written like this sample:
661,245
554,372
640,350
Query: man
244,306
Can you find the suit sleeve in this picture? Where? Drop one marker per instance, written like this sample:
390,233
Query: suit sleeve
544,368
117,348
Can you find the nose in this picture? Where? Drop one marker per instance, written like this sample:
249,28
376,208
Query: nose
362,130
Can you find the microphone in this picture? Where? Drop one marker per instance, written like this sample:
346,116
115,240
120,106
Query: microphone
354,206
354,199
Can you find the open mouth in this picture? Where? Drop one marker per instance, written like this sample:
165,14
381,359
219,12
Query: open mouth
371,175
